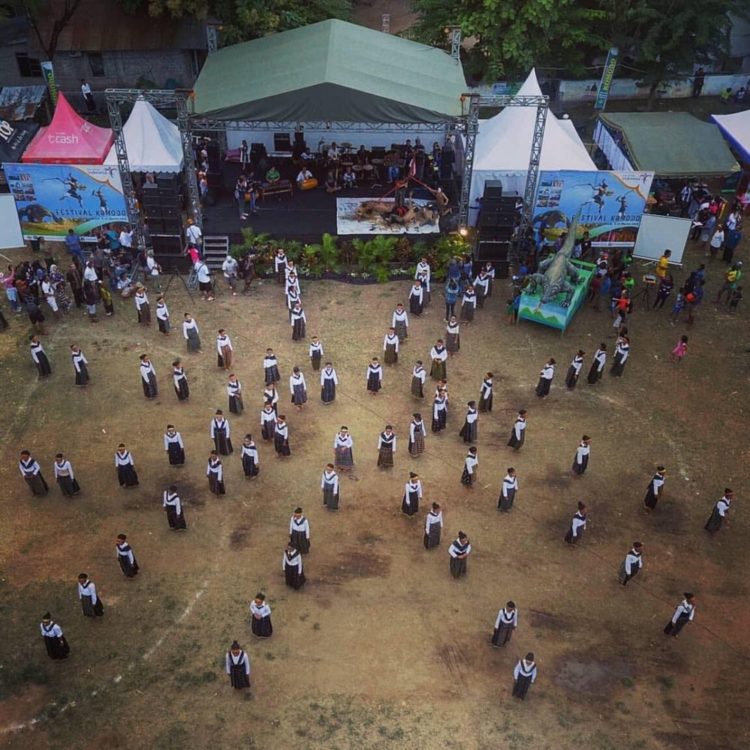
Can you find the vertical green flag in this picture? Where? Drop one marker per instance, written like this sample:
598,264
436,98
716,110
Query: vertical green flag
49,76
608,75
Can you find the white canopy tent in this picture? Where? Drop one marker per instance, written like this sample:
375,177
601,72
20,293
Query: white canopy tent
503,146
736,129
153,143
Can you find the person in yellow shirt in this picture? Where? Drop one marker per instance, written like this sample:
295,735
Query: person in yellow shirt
662,267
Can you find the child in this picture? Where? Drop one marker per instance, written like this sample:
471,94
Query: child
510,311
735,298
680,350
106,297
679,303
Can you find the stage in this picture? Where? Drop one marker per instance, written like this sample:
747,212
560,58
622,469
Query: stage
304,217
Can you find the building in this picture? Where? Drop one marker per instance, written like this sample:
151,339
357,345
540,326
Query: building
106,46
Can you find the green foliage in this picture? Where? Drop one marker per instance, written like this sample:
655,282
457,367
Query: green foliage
374,256
248,19
322,257
439,255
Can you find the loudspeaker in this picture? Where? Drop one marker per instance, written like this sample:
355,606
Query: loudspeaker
168,180
155,225
166,244
172,226
492,251
282,142
496,234
151,199
493,189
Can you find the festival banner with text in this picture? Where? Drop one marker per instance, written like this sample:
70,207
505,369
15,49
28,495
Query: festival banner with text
53,198
611,204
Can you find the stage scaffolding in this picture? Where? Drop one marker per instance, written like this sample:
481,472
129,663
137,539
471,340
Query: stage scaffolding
467,126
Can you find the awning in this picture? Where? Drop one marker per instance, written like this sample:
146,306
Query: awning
736,129
20,102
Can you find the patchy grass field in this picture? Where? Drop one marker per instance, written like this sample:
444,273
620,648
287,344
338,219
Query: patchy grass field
382,649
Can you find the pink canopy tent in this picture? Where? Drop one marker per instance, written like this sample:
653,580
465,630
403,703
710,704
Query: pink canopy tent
69,139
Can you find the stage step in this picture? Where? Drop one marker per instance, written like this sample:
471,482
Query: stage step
215,250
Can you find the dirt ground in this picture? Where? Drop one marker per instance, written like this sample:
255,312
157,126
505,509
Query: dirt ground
382,648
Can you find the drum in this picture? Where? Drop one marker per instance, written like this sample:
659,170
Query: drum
368,167
308,184
357,167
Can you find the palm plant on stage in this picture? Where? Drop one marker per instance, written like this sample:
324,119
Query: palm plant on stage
255,243
322,257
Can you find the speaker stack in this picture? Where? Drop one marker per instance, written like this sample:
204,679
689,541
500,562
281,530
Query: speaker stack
162,208
497,220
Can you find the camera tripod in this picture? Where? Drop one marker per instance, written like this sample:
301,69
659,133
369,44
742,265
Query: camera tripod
644,294
175,274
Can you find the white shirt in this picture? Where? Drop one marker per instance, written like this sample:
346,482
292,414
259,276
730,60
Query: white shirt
147,369
89,273
29,468
601,359
416,291
194,234
657,483
291,561
282,429
577,523
175,437
581,451
441,354
623,349
390,339
162,312
270,394
189,325
241,659
229,266
300,524
486,390
722,506
178,374
399,317
413,427
251,451
331,479
469,298
152,265
471,416
172,500
577,364
328,373
63,469
219,424
140,299
316,348
267,416
204,275
126,551
413,485
548,372
85,89
420,373
123,458
457,548
375,370
470,463
279,261
126,239
385,439
234,388
260,610
684,608
507,617
438,405
423,269
519,427
509,483
431,519
304,174
78,360
343,441
215,467
88,589
36,350
53,630
298,314
298,379
222,341
525,669
633,560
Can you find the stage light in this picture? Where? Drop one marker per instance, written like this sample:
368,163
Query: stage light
463,231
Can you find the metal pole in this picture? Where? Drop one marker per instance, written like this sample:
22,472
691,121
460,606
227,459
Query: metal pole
385,23
191,178
123,165
472,128
456,43
532,175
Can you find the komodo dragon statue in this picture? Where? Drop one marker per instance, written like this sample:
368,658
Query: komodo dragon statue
553,272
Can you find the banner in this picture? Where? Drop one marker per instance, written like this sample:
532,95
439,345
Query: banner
611,205
49,76
608,75
53,198
379,216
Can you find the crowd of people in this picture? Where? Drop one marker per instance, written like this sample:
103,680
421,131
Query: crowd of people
473,288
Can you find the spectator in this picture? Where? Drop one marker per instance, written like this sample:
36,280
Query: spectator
726,95
717,241
126,238
698,81
73,244
88,97
230,268
193,234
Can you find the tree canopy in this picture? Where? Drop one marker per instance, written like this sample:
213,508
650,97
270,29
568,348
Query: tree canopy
658,37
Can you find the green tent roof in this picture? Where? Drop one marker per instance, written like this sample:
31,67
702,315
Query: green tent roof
330,70
672,144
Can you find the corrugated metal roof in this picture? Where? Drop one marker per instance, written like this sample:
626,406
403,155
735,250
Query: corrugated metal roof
103,26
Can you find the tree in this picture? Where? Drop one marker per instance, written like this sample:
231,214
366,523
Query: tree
666,38
60,14
513,36
248,19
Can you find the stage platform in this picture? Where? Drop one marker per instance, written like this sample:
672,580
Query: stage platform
304,217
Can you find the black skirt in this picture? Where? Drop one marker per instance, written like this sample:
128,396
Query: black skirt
238,678
415,306
515,442
330,498
127,476
82,375
385,457
410,503
281,445
272,375
300,541
714,522
438,371
328,391
570,539
542,387
373,382
416,388
432,539
262,628
222,443
129,570
57,648
416,448
235,405
298,330
299,396
175,521
182,390
505,504
402,330
453,342
468,479
90,609
390,357
571,378
163,325
485,404
617,366
249,466
502,635
216,485
594,373
580,469
467,313
293,577
469,432
651,497
674,628
439,423
150,389
268,430
458,567
521,687
68,486
43,365
176,454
